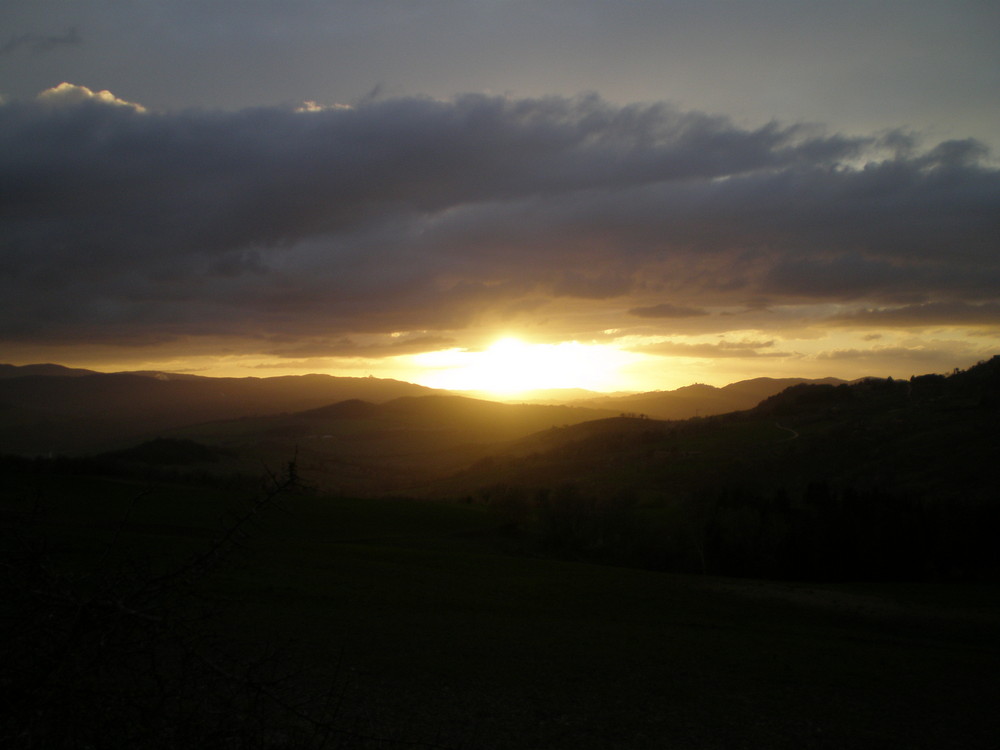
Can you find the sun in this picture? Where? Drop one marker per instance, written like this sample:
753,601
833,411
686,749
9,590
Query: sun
511,366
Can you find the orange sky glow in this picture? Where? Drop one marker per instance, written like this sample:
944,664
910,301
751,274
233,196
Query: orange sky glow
507,366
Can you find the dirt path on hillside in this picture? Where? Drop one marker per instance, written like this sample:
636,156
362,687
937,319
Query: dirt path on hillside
794,435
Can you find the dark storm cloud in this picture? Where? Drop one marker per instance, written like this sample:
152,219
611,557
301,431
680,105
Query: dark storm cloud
416,214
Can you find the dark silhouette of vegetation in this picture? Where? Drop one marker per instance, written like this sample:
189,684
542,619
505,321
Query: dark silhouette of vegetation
821,533
878,480
847,534
695,400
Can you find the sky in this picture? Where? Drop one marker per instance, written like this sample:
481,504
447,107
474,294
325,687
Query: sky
504,194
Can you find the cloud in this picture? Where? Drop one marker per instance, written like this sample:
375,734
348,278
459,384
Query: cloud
930,314
413,214
910,355
38,44
666,310
68,94
894,353
722,349
347,347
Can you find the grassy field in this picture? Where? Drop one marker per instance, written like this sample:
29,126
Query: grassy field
433,635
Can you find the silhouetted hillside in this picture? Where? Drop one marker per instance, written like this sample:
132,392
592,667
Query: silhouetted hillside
351,409
51,413
876,479
932,433
21,371
491,420
698,399
361,448
869,480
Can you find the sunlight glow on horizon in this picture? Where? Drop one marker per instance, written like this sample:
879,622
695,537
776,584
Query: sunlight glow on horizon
511,366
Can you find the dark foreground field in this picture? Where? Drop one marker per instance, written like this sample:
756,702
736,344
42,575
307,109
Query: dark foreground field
426,634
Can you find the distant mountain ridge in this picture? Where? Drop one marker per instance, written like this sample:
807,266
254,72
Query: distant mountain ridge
46,410
841,481
429,442
361,448
930,436
49,370
699,399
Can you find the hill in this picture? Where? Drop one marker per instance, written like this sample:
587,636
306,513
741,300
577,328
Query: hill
873,479
848,494
930,436
361,448
21,371
698,399
86,412
878,478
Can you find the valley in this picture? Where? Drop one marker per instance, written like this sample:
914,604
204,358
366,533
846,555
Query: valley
407,569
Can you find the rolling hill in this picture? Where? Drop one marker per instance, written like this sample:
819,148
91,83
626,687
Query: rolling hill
698,399
21,371
806,573
88,412
362,448
930,436
51,409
